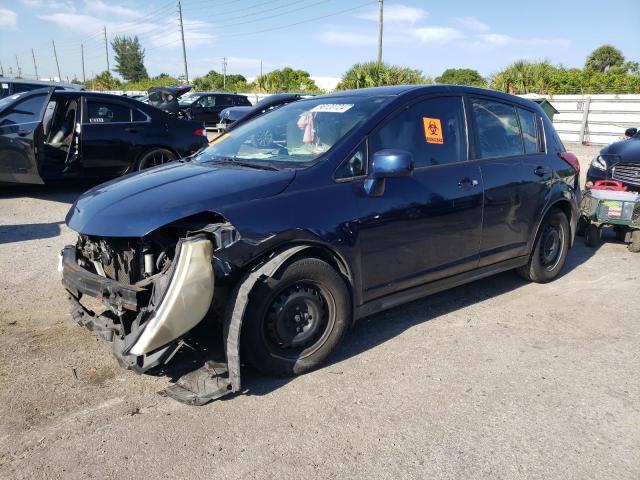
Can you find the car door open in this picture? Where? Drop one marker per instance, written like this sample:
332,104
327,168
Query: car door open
21,136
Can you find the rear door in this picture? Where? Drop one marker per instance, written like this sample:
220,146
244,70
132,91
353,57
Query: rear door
513,183
21,137
108,136
426,226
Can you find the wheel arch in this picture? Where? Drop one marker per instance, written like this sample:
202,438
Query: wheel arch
565,206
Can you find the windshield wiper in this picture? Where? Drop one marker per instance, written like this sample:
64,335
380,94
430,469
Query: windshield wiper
258,166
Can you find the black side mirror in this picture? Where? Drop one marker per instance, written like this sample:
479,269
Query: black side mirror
630,132
386,164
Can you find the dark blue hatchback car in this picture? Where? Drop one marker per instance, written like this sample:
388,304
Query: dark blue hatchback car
364,200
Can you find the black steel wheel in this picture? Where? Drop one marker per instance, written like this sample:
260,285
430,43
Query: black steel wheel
593,236
155,157
549,249
295,319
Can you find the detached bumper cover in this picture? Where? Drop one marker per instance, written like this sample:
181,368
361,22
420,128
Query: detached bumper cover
165,306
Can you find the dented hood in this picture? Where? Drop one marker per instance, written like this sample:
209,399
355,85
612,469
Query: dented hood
137,204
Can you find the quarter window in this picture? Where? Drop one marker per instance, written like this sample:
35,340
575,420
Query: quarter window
354,166
138,116
106,112
530,135
433,130
497,127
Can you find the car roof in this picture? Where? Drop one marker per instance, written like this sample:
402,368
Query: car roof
44,83
218,93
417,90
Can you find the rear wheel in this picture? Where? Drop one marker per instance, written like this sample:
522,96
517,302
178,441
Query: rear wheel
550,249
634,246
294,321
593,236
155,157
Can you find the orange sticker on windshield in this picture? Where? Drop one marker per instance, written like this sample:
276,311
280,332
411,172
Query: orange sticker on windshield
219,139
432,130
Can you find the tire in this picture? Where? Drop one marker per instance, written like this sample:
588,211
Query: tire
549,250
593,236
621,233
634,246
583,223
155,157
295,320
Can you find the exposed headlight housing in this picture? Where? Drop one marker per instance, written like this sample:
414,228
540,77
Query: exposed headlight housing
602,162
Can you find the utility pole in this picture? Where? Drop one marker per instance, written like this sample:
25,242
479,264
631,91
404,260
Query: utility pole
184,49
224,73
82,54
106,47
35,65
380,8
18,65
55,54
261,79
1,70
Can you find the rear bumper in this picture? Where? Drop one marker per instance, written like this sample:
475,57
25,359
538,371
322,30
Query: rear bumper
143,322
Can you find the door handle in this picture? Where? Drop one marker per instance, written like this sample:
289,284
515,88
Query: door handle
468,183
542,171
133,129
23,133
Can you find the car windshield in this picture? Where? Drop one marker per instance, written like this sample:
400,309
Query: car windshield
295,134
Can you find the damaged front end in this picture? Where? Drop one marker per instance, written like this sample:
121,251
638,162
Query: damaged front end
151,291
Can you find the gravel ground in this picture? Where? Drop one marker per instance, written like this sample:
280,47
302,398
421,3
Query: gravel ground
495,379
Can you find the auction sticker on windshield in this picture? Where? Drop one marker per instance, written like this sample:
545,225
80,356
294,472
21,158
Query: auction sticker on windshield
332,107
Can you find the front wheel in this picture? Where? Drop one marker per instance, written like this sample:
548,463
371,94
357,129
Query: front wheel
295,320
550,249
634,246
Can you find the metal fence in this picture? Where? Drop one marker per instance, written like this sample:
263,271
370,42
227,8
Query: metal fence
595,119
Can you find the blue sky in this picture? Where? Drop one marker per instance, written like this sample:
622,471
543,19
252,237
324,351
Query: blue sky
330,36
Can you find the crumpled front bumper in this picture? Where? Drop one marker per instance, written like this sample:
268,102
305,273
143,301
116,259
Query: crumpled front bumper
143,322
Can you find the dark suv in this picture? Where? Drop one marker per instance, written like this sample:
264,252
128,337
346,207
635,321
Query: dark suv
371,199
206,106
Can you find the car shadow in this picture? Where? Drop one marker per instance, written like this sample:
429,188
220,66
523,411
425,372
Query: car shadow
205,342
28,231
55,193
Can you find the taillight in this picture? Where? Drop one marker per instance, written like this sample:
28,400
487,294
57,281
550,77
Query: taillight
571,159
200,132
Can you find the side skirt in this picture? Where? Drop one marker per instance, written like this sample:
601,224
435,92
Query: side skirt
411,294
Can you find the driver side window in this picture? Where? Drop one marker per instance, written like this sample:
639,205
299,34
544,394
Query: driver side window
354,166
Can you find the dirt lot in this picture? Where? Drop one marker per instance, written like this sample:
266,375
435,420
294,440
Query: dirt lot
496,379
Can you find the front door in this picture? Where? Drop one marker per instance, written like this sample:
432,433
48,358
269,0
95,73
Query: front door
21,137
428,225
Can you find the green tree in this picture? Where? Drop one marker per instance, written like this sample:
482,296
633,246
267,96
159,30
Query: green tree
523,76
604,58
286,80
215,81
103,81
129,56
370,74
162,80
462,76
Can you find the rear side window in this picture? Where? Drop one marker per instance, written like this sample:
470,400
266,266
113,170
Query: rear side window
224,101
530,132
497,129
433,130
24,112
138,116
106,112
244,101
206,102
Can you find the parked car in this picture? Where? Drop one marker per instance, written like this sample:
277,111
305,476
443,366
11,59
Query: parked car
230,116
376,197
618,161
11,86
206,106
49,135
